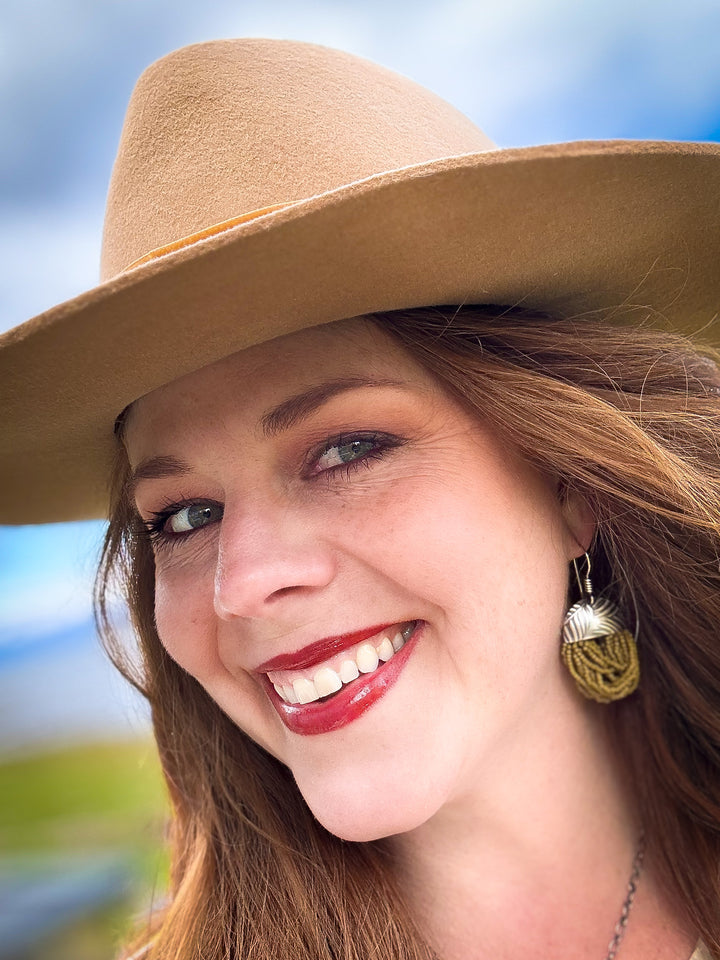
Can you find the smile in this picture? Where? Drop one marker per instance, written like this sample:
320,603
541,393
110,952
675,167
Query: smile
331,676
337,688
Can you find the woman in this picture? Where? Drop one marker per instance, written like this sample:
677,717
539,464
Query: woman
350,527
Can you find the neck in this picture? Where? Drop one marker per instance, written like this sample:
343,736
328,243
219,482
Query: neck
533,859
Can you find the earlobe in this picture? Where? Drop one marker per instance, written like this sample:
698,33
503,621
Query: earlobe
579,521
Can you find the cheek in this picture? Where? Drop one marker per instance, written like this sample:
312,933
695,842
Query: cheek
488,557
185,620
447,528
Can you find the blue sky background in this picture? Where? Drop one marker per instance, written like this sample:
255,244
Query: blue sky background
527,71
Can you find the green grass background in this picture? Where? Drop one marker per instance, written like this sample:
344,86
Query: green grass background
104,799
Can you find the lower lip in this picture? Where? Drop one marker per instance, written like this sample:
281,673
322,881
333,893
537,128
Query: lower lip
324,716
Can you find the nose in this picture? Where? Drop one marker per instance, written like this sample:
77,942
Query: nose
268,557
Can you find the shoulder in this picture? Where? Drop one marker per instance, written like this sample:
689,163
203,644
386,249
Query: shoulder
701,953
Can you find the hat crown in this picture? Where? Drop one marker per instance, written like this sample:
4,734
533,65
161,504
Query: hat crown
219,129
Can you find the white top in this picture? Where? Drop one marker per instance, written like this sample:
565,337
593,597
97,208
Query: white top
701,953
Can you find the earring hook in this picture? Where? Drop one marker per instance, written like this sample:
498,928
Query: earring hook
585,584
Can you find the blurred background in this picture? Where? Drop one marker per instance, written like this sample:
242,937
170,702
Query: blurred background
81,803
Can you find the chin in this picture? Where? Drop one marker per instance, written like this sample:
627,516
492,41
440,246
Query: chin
365,810
358,827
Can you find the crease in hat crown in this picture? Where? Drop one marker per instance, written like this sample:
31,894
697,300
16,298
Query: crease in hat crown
218,131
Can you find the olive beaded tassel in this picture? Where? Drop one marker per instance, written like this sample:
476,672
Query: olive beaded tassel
598,650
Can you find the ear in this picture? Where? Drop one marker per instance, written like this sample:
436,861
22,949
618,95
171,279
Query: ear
579,521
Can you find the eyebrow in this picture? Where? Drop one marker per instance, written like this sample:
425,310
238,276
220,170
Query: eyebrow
285,415
156,468
301,405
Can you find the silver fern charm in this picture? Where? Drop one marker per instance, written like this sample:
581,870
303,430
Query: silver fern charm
588,621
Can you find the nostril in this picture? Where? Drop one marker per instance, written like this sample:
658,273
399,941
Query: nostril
284,591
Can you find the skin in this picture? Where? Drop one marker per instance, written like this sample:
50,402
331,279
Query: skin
490,772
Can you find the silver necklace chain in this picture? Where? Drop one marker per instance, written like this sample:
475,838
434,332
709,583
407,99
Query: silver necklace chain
620,926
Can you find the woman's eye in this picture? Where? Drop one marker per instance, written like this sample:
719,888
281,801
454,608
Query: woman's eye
193,517
345,452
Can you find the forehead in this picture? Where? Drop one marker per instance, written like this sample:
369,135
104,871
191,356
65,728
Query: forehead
263,374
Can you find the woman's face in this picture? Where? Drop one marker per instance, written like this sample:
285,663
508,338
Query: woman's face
325,518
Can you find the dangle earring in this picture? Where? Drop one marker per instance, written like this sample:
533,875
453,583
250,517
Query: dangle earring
597,648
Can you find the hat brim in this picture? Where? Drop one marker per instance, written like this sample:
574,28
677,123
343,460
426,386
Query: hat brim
623,226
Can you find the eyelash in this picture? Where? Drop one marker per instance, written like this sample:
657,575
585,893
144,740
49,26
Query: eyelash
156,530
382,444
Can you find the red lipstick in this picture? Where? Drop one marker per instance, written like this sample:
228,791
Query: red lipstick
349,703
319,650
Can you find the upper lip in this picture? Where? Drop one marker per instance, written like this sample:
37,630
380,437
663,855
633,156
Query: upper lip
320,650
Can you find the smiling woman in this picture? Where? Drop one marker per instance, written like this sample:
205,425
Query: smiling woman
425,596
297,530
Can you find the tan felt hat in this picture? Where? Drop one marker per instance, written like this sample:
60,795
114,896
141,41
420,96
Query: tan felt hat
265,186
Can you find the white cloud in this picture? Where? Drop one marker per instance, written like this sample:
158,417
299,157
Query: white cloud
48,255
33,607
70,694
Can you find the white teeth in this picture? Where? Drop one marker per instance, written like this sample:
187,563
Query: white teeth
326,681
305,690
385,650
349,671
367,658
